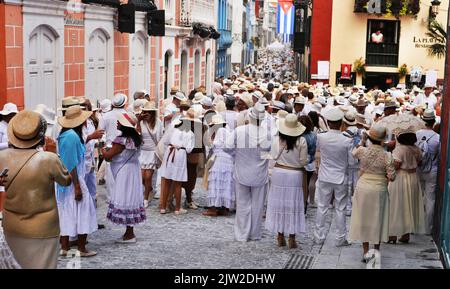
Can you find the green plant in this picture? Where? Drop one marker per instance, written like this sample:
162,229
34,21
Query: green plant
438,34
360,66
403,70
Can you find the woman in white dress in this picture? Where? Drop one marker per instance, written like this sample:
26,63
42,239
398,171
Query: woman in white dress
407,210
151,130
126,203
285,206
76,206
370,211
173,171
221,186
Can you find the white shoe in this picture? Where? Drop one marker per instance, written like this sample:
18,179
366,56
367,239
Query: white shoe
192,206
343,243
122,241
145,204
348,213
181,212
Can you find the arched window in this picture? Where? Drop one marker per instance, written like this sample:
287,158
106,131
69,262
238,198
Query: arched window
168,73
138,63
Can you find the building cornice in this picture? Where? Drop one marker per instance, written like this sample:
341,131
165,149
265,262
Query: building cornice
55,8
97,12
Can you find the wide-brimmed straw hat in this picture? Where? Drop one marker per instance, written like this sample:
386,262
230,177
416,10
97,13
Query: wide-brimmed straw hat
377,132
125,120
191,115
26,129
198,97
290,126
74,117
119,100
48,113
71,101
217,120
150,106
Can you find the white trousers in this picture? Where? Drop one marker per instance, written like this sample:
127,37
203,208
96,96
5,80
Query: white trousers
428,182
249,212
109,179
353,175
324,193
101,171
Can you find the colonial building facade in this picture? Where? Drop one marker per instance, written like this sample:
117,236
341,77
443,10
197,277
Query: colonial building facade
53,49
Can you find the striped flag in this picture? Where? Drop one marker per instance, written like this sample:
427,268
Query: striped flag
285,19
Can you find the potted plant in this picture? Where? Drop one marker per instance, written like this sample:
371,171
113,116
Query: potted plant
360,66
402,72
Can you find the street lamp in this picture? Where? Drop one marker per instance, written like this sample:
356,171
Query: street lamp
434,9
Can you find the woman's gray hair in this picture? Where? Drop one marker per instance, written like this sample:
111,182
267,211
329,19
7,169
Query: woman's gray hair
42,130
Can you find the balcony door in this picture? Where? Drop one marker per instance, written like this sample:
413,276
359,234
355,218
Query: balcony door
97,67
382,43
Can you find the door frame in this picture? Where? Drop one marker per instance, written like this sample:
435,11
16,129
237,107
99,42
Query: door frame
35,15
99,17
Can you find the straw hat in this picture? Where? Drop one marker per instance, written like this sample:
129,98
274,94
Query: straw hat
125,120
26,129
138,104
428,114
198,97
282,114
258,112
9,108
119,100
361,120
350,118
74,117
334,114
105,105
290,126
217,120
247,99
206,101
377,132
70,101
185,103
174,89
191,115
47,113
300,100
150,106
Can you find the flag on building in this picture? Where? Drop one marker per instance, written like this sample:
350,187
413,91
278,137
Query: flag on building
285,19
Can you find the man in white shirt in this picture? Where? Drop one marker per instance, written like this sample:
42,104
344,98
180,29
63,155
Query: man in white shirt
334,149
251,174
429,169
428,99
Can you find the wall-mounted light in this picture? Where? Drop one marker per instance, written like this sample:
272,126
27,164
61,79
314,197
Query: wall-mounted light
434,9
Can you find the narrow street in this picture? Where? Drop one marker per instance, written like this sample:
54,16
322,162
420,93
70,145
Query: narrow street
193,241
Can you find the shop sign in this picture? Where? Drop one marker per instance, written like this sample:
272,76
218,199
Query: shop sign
424,42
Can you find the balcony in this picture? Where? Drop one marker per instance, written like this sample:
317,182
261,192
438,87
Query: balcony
384,54
225,39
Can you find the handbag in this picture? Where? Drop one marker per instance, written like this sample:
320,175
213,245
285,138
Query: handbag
19,170
158,160
209,164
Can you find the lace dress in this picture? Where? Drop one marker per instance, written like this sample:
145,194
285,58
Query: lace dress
370,212
7,260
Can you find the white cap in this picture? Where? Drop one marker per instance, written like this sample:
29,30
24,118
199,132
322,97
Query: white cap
9,108
334,114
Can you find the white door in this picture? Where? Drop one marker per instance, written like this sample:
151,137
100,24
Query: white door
97,69
138,75
41,69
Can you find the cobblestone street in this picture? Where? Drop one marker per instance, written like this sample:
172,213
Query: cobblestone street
193,241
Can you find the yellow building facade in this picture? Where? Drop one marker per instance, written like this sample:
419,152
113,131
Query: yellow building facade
405,42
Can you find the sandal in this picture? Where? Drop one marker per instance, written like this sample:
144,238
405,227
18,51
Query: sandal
209,213
181,212
162,212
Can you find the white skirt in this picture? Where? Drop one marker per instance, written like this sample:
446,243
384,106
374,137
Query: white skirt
285,207
221,186
174,166
77,217
149,160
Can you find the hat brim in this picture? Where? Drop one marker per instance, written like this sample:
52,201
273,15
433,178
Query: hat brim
376,138
8,112
72,123
349,122
289,131
19,143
